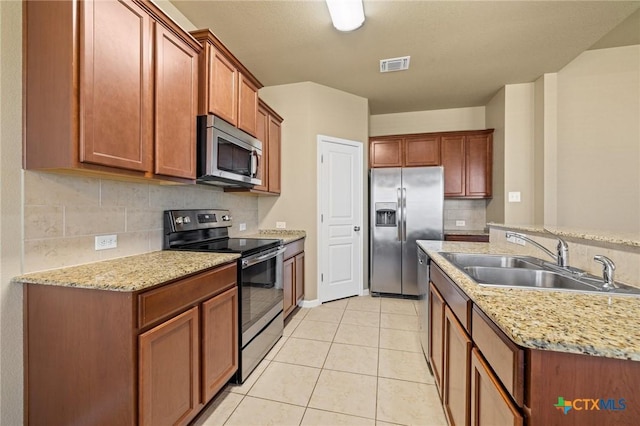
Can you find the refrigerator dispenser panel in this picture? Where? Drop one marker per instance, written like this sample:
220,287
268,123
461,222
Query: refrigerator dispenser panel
386,214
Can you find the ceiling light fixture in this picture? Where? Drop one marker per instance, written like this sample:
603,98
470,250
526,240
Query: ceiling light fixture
347,15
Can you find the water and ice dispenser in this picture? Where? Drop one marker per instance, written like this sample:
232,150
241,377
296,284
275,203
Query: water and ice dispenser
386,214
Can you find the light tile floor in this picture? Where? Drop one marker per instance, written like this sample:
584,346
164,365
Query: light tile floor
354,361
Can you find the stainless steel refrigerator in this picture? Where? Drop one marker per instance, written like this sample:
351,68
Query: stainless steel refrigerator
406,205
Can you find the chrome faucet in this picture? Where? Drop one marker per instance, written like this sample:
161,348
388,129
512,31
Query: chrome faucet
608,270
562,249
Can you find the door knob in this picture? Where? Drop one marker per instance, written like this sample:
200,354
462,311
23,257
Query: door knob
356,228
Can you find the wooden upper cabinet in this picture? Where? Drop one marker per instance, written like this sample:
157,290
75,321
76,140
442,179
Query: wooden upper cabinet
227,88
275,153
115,85
453,160
247,105
131,92
385,152
479,162
422,151
176,106
262,129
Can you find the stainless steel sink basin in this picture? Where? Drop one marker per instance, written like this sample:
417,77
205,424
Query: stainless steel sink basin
463,260
492,270
518,277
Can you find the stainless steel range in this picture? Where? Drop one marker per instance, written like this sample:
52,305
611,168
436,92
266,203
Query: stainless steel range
259,276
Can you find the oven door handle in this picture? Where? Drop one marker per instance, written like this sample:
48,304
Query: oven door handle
250,261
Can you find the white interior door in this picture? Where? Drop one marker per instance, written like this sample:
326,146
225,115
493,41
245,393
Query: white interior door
341,221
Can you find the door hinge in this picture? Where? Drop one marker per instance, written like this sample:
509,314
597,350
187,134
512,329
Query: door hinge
321,277
322,158
321,218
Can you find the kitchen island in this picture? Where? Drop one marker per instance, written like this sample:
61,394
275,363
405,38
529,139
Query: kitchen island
559,348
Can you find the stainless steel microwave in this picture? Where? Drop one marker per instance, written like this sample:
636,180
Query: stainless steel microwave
227,156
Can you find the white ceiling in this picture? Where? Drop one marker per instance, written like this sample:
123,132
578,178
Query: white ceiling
462,52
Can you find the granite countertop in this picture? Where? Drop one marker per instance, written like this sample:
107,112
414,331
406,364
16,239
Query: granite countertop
626,239
599,325
467,232
131,273
286,235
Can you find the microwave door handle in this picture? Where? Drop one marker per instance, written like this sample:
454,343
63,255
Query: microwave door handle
254,164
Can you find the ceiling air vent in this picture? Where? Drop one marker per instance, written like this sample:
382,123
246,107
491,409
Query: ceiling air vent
395,64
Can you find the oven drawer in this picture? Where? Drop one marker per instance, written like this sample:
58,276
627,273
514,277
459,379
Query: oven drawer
168,300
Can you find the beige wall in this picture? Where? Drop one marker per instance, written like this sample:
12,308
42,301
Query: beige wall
310,110
495,112
599,140
11,400
442,120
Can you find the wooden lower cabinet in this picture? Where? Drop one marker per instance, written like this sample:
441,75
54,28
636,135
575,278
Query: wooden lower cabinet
219,361
149,357
436,329
490,404
293,271
468,238
456,371
169,371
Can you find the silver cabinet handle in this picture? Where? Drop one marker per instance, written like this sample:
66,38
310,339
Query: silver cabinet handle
356,228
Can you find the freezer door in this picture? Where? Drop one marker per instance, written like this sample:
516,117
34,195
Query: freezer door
385,245
423,217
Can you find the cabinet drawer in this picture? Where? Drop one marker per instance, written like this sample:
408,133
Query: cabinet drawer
505,357
294,248
170,299
458,302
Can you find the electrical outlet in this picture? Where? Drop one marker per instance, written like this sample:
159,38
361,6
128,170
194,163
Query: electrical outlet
460,223
104,242
514,197
243,226
281,225
514,239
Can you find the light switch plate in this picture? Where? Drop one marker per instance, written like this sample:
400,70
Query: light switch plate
243,226
514,239
514,197
281,225
104,242
460,223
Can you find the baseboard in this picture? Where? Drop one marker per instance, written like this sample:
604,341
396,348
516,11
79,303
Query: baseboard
309,303
365,292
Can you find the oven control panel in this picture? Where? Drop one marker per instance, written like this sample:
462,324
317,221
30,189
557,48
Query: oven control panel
187,220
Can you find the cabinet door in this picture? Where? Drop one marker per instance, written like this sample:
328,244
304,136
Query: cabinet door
176,104
169,372
436,328
385,153
479,160
223,86
116,115
457,366
490,404
422,151
275,154
219,342
288,285
299,264
453,160
262,134
247,105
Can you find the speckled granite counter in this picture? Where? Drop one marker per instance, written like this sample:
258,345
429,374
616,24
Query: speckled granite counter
131,273
286,235
629,239
597,325
468,232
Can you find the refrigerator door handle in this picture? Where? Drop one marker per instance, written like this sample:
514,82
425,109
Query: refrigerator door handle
404,214
399,214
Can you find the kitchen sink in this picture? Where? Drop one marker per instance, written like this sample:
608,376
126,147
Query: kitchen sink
519,277
493,270
463,260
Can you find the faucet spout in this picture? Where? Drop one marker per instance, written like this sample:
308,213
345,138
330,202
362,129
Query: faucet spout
561,256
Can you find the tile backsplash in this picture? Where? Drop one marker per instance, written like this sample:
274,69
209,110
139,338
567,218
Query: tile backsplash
472,212
63,214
